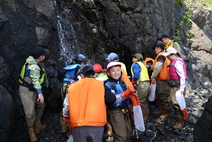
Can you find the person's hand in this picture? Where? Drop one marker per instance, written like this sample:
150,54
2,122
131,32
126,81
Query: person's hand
134,99
66,119
129,90
152,81
182,91
133,82
40,98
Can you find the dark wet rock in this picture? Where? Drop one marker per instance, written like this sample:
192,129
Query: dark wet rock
95,28
7,109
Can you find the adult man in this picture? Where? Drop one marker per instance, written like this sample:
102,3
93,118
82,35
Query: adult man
70,77
169,43
140,78
161,74
85,106
32,77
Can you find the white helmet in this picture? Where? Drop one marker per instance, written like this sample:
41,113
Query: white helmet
112,64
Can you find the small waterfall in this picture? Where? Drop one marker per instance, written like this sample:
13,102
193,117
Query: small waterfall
67,37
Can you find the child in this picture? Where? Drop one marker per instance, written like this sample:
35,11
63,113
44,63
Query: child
140,78
117,114
178,76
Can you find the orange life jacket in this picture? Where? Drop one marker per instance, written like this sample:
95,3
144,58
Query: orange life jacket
164,73
87,103
148,60
125,78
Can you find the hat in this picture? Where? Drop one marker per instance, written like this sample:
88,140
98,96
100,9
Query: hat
37,51
164,36
138,56
97,67
169,51
112,57
80,57
113,64
159,44
87,68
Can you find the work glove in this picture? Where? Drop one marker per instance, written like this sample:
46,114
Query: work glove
152,81
66,119
129,90
133,82
134,99
185,114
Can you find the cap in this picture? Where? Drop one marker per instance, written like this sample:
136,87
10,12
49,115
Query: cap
97,67
159,44
169,51
80,57
138,56
164,36
38,51
113,64
112,57
87,68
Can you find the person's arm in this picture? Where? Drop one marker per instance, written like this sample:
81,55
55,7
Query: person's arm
110,98
180,72
66,107
136,69
158,66
35,75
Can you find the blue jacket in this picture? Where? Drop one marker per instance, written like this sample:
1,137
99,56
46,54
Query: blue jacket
136,69
117,88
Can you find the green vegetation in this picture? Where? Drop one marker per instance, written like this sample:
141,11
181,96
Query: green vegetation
201,2
179,1
186,18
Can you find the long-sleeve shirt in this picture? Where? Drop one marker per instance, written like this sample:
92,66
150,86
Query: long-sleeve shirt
136,69
179,68
158,66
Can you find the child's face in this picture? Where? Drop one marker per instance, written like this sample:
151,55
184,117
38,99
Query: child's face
115,72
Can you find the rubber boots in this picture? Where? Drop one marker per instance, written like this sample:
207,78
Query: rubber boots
166,113
179,124
39,127
160,110
64,126
145,115
32,135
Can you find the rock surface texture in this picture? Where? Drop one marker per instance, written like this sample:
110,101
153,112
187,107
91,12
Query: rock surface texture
96,28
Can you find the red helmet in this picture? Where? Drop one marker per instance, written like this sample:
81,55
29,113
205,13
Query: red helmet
97,67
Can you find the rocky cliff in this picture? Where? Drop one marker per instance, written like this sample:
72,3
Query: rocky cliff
93,28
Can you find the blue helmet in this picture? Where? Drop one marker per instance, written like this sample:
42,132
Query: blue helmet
112,57
80,57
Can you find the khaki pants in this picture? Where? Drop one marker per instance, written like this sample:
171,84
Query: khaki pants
121,124
33,109
142,93
163,93
64,91
174,102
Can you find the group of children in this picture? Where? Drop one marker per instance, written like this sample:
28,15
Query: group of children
86,113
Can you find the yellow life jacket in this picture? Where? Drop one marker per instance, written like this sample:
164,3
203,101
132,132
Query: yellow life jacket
42,74
169,44
144,76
